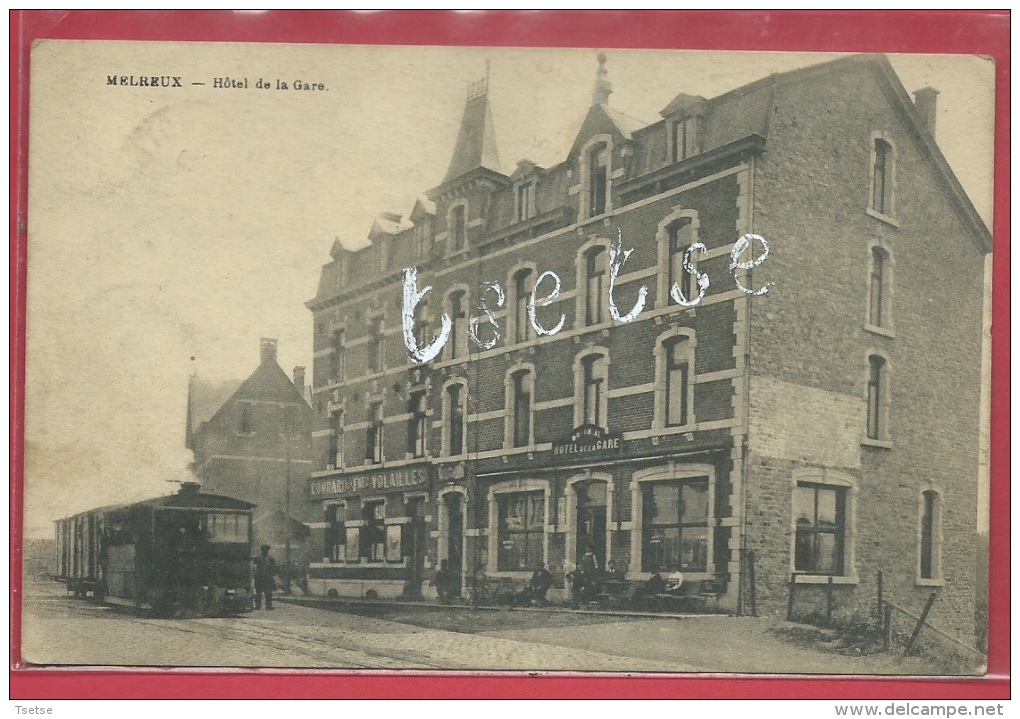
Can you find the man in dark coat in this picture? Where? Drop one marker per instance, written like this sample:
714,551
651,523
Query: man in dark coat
265,578
537,588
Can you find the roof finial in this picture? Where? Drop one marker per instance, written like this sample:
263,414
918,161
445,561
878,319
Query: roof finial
603,88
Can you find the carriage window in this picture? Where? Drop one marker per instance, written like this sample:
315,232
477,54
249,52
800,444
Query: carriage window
227,528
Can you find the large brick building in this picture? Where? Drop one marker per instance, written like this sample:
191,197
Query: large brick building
817,407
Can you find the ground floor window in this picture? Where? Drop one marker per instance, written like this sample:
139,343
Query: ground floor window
820,515
675,531
521,530
373,531
336,536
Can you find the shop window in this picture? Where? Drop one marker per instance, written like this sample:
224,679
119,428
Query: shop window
931,529
336,533
521,518
335,452
675,526
454,419
417,425
820,517
353,543
376,347
878,398
336,360
373,531
374,443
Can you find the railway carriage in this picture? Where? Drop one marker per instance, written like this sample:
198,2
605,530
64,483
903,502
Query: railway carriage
188,554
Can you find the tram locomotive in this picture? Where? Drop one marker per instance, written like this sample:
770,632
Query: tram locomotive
188,554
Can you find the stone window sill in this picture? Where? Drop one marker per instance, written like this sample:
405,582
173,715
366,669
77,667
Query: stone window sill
883,217
930,582
850,580
877,443
883,331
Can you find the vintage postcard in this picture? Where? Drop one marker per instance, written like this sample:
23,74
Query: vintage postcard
473,359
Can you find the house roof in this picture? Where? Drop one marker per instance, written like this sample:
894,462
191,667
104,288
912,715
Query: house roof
476,141
205,398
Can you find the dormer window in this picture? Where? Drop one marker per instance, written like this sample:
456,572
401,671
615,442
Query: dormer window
685,138
525,201
423,237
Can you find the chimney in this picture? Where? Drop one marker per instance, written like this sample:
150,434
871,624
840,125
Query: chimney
299,379
268,350
925,100
603,88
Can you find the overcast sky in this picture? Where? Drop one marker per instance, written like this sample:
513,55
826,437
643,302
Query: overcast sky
170,229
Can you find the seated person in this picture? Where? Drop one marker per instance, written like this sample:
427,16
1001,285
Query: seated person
538,586
582,586
655,584
674,582
615,574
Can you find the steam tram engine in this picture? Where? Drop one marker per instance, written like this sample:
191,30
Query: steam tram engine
187,554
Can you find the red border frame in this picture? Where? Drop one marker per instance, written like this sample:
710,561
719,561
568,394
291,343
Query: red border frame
959,32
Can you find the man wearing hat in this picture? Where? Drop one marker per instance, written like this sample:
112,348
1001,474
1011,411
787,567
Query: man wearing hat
265,582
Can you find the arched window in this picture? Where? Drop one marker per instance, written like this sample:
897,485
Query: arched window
591,379
336,363
457,346
878,398
454,418
374,440
880,290
335,451
681,237
417,425
594,283
677,354
598,179
521,286
882,202
519,404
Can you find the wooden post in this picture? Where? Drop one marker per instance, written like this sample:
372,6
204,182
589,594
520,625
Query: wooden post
887,627
878,603
789,601
828,601
920,622
750,578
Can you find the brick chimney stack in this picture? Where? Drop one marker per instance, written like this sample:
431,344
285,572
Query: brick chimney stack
926,100
299,379
267,350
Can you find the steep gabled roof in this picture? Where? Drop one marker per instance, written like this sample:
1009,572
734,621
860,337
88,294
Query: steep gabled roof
205,399
476,141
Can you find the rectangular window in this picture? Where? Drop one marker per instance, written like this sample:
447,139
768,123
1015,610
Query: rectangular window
376,347
820,515
393,543
594,275
521,409
247,421
677,364
681,237
455,428
592,391
373,531
335,453
458,228
929,538
423,236
417,424
336,362
353,543
675,526
421,323
876,397
521,530
374,444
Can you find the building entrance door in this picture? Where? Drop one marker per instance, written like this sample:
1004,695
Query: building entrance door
455,540
591,521
417,536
